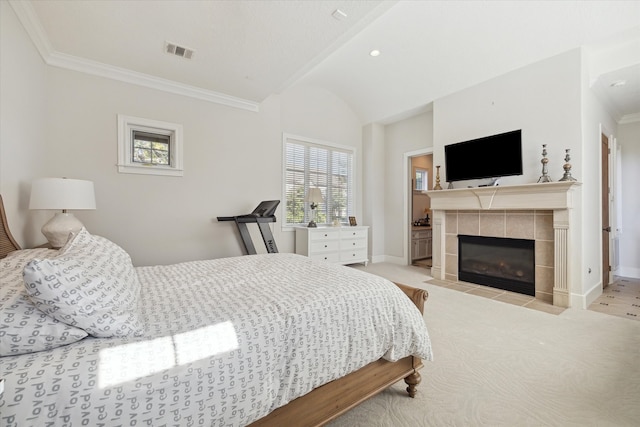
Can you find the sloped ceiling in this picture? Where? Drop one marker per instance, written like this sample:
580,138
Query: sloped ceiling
245,51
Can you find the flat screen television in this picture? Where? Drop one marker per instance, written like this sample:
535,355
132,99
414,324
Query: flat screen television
488,157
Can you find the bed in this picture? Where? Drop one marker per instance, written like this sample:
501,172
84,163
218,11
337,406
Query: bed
271,339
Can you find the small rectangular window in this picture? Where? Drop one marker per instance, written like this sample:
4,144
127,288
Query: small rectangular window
151,148
148,146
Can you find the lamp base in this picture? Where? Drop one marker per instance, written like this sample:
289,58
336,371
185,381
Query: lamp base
312,224
58,228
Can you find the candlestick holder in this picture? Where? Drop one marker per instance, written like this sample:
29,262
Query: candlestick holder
437,186
545,172
567,168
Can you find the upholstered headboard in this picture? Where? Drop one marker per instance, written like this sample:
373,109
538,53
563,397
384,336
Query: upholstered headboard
7,242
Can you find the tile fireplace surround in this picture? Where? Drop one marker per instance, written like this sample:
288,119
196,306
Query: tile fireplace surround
541,212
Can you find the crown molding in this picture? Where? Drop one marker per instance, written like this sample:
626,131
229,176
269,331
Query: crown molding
629,118
29,19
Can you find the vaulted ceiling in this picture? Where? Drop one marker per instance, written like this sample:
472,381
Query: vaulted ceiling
244,51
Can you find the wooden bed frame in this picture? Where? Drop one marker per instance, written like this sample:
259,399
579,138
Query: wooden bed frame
329,401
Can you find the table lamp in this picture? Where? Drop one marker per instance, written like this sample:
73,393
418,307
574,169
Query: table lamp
314,196
61,194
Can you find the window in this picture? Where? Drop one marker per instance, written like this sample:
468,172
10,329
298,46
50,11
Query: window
151,149
421,180
149,146
316,164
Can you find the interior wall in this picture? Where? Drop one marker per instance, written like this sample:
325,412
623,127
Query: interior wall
22,132
373,177
542,99
316,113
163,219
629,141
232,160
64,123
404,136
596,121
545,101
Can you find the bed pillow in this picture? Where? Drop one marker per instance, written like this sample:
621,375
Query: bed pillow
91,284
24,328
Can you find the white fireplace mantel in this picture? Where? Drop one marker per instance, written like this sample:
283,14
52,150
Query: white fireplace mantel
556,196
550,195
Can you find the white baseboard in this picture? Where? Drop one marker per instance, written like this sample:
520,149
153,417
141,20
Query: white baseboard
591,295
377,258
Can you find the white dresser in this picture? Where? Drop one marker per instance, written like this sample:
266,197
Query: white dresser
342,245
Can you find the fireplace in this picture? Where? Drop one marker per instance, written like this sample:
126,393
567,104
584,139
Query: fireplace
542,212
503,263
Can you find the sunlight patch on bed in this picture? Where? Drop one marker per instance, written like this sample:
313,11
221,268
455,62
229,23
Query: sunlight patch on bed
204,342
130,361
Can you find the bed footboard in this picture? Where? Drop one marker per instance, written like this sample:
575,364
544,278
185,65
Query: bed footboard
335,398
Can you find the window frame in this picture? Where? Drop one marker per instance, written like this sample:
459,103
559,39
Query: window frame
351,186
425,179
126,127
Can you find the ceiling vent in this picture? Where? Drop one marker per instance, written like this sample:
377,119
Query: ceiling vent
181,51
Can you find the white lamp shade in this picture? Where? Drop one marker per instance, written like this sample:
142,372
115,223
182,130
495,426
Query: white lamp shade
62,194
314,195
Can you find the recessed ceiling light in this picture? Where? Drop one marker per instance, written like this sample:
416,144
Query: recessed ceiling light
374,52
618,83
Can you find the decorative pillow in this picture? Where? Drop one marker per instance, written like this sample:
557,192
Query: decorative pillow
24,328
91,284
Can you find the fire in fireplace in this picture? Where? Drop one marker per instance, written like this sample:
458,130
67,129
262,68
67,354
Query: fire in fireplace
502,263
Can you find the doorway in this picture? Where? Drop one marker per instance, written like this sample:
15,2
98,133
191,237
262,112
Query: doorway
420,241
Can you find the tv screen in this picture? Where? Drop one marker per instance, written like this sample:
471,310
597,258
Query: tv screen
488,157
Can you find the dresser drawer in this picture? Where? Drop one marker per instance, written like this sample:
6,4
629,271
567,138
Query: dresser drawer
324,246
323,235
348,244
329,257
355,255
359,233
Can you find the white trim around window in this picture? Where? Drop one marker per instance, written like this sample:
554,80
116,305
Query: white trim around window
127,125
310,163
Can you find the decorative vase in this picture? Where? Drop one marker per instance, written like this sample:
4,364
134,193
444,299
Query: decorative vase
545,172
567,168
437,186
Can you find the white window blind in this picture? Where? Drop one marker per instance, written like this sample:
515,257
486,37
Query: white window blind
327,167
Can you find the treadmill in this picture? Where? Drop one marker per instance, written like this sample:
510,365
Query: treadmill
263,214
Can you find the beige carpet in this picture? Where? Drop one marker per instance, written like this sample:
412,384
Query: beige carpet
498,364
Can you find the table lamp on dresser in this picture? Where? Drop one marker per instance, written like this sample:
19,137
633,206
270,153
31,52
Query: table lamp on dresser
314,198
61,194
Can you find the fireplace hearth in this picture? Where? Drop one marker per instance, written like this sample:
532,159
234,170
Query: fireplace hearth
502,263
